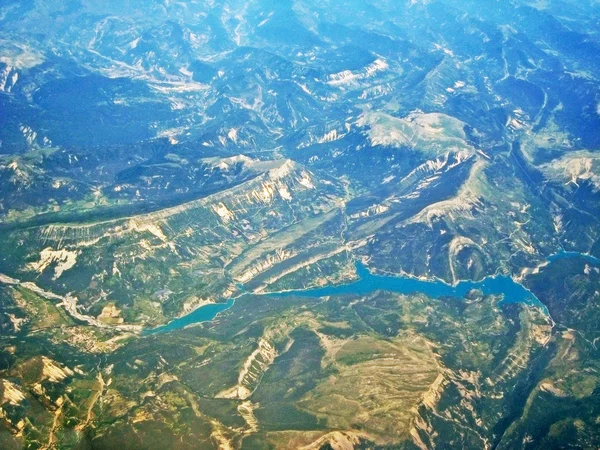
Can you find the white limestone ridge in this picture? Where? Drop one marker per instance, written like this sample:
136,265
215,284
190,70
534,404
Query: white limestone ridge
11,393
275,180
461,205
51,371
575,168
348,76
434,133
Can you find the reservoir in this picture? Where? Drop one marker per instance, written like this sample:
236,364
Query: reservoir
205,313
565,254
512,292
368,282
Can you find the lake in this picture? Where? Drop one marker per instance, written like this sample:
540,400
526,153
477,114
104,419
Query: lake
368,282
512,291
205,313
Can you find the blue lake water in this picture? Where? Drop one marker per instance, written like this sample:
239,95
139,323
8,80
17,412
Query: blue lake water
368,282
205,313
565,254
512,291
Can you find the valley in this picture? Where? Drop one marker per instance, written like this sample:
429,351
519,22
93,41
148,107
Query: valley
299,225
